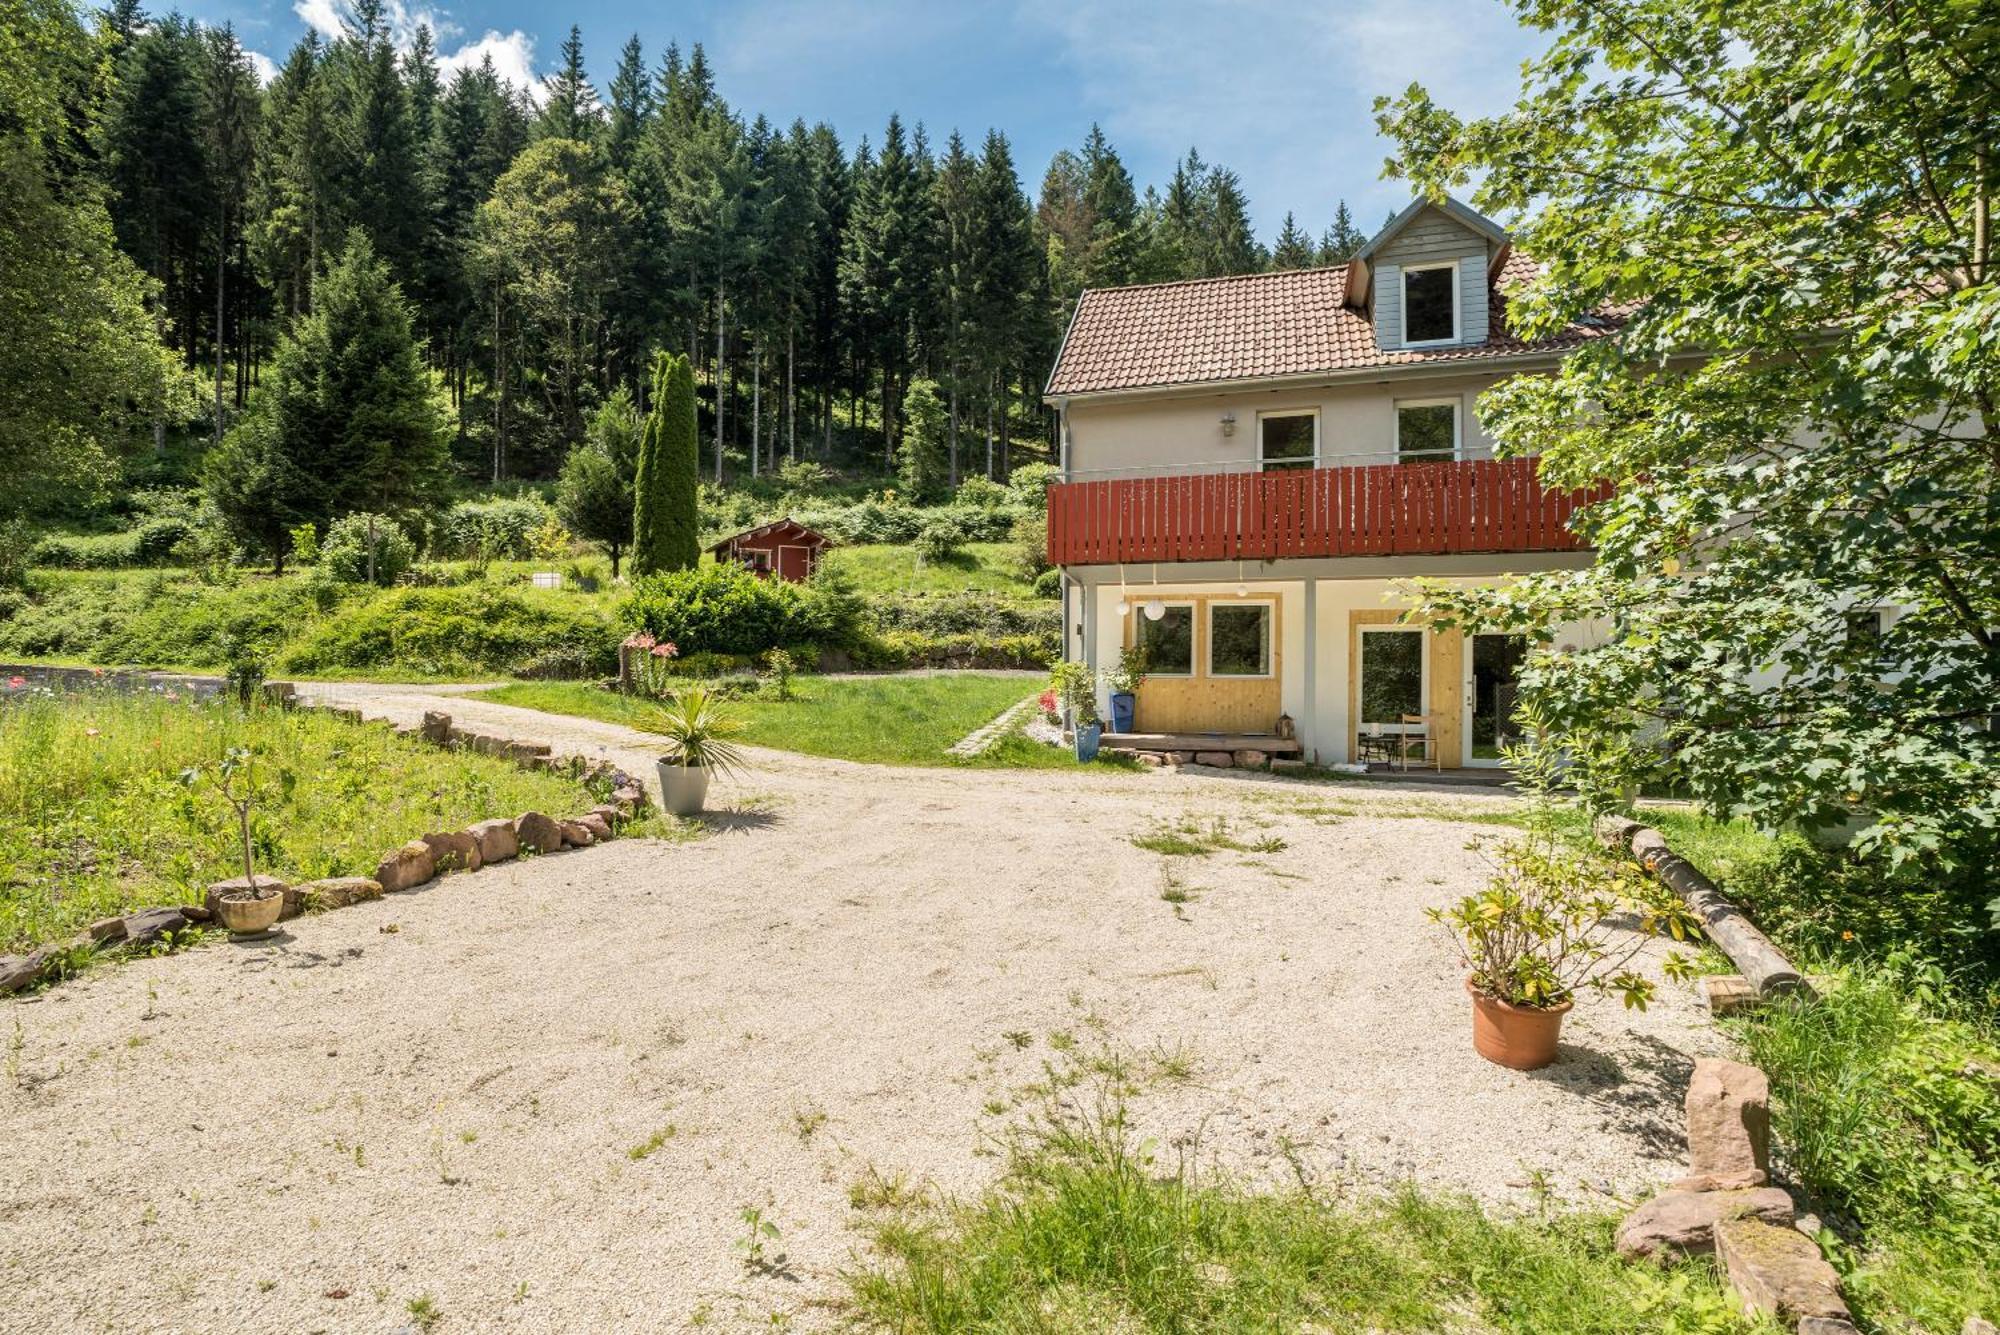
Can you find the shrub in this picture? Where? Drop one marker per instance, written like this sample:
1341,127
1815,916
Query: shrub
720,609
969,613
344,553
981,493
97,551
940,538
1048,584
478,628
500,530
803,477
1028,488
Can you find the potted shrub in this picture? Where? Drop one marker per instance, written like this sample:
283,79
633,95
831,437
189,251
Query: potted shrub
697,728
252,905
1541,931
1076,687
1123,682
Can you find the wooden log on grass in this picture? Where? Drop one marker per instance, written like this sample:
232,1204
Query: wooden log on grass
1762,964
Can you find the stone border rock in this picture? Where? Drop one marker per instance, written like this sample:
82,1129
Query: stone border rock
415,863
1726,1207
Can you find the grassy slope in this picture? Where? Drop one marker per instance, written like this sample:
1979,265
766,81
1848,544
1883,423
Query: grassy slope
93,820
883,568
887,720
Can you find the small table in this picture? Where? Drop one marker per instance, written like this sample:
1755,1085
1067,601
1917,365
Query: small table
1376,746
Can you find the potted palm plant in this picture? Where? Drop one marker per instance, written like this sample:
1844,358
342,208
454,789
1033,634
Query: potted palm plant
1543,928
697,728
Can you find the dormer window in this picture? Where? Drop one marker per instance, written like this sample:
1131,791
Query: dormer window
1430,304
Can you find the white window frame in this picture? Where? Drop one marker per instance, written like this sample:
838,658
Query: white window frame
1423,635
1194,632
1403,283
1456,402
1263,413
1271,638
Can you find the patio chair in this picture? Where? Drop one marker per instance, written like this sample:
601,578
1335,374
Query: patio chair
1420,735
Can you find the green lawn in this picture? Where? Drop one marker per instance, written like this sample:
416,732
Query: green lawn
988,567
887,720
94,820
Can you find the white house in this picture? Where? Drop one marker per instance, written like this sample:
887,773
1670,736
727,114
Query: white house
1250,463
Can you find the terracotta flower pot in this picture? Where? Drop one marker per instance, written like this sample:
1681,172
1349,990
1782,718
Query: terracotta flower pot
249,911
1521,1037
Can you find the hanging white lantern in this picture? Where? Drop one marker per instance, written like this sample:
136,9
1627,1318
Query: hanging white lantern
1123,607
1155,609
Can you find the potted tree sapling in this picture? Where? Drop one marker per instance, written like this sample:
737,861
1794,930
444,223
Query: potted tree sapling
1556,917
250,906
697,729
1123,682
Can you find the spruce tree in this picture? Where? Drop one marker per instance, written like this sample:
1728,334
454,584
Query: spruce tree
1294,249
665,525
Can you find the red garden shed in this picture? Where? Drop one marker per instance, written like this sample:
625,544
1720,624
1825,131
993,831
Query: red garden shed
783,547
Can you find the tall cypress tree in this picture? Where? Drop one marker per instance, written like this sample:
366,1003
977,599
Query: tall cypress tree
665,526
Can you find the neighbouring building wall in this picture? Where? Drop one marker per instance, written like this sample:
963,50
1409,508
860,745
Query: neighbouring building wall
1161,436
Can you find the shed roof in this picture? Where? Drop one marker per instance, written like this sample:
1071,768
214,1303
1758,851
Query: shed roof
787,529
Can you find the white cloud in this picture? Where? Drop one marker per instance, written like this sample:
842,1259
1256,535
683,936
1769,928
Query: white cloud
1280,91
267,69
333,18
513,53
324,17
513,59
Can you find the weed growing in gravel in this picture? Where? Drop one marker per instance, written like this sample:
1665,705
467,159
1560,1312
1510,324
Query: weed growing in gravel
877,1190
753,1244
424,1312
651,1143
807,1119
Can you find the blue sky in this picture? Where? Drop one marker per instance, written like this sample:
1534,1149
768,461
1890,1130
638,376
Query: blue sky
1278,90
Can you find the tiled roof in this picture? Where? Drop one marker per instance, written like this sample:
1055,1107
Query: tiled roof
1273,324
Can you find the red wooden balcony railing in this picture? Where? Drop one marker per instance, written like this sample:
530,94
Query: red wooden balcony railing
1473,505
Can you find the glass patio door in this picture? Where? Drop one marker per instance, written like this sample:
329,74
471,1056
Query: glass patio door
1394,682
1492,669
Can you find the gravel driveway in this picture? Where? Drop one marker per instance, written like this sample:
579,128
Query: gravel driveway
543,1100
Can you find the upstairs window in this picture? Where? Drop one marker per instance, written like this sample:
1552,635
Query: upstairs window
1430,304
1426,430
1288,439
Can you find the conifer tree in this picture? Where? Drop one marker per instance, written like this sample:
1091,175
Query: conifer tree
1294,249
665,525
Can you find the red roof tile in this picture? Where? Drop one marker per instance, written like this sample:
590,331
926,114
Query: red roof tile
1292,323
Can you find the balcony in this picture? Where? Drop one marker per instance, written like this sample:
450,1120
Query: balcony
1415,509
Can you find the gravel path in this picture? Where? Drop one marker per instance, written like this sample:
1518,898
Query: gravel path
544,1099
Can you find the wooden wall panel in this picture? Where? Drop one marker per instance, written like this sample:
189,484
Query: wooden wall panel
1202,703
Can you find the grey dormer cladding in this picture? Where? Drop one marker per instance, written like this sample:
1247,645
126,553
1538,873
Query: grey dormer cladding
1430,233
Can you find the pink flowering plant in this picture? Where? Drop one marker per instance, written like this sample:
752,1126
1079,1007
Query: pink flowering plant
652,662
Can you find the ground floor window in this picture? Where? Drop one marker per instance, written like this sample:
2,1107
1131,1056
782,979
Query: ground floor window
1239,639
1168,643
